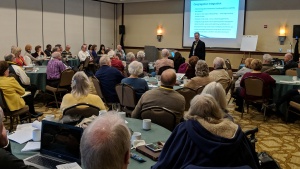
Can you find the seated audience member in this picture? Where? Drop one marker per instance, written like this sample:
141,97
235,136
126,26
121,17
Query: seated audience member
108,77
269,82
178,60
19,59
38,52
56,49
80,93
54,68
130,57
240,73
139,85
121,51
164,61
201,78
12,48
190,71
289,62
141,58
101,50
106,138
94,54
13,91
219,74
29,59
7,159
267,62
115,61
67,52
48,51
207,139
17,70
163,96
216,90
59,47
83,54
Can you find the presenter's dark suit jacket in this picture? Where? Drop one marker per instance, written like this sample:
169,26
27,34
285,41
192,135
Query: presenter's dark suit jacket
199,51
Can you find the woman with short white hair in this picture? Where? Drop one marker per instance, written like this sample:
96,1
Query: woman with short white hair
140,86
141,58
206,139
80,93
202,76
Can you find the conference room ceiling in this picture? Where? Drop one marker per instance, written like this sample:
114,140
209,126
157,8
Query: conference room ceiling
127,1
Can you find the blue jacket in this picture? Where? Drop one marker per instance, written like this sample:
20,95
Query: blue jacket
109,77
191,144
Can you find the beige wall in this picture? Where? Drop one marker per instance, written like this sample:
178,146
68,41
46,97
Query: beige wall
42,22
142,19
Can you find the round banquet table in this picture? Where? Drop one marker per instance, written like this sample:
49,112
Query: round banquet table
152,83
157,133
71,62
283,84
38,77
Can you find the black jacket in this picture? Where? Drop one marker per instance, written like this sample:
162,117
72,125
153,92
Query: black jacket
199,51
9,161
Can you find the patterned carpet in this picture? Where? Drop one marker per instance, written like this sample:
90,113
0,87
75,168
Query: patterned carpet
279,139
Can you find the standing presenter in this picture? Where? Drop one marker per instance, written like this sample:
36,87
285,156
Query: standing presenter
198,47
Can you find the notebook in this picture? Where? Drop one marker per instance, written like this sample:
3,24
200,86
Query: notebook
60,144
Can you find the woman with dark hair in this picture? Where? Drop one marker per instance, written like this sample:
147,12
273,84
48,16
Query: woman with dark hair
90,49
94,53
178,60
38,52
13,92
101,50
190,72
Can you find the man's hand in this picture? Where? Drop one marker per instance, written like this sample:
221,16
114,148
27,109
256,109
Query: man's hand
3,136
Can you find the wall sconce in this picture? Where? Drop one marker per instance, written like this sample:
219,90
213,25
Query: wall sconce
159,33
282,36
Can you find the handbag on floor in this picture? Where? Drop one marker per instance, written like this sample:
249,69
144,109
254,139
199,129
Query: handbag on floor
266,161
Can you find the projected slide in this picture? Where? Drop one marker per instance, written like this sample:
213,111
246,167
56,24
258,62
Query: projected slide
214,18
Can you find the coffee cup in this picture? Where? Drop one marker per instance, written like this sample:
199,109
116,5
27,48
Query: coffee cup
158,83
295,78
36,135
50,117
122,115
147,124
136,136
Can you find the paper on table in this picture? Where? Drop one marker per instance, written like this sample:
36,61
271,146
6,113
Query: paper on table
283,81
26,93
21,136
150,85
32,146
68,166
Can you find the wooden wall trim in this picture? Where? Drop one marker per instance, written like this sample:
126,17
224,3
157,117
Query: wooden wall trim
212,50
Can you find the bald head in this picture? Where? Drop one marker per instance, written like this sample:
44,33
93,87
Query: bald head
106,138
56,55
168,77
288,57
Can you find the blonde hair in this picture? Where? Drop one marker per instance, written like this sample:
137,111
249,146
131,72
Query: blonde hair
256,64
248,62
28,48
16,50
80,85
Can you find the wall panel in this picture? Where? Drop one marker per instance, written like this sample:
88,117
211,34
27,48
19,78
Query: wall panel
74,24
92,22
107,25
29,20
53,22
8,29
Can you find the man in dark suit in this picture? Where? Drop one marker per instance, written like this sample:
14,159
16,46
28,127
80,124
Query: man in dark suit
198,47
289,62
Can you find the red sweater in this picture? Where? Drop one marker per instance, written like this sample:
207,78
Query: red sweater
117,64
269,82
